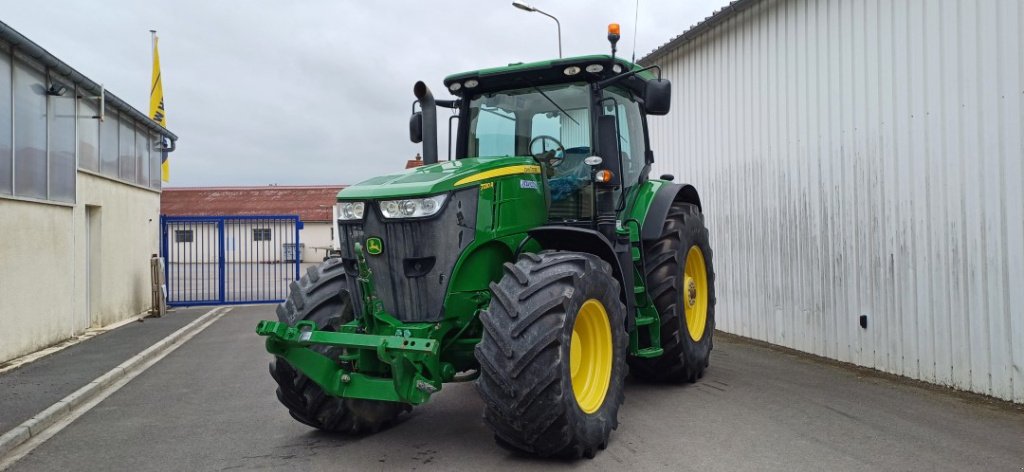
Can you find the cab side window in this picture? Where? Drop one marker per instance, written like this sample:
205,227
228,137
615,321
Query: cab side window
631,133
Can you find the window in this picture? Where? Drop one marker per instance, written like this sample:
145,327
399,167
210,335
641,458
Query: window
62,146
183,236
45,138
551,123
506,123
261,234
108,144
29,131
631,133
88,134
572,129
141,157
126,149
494,131
6,130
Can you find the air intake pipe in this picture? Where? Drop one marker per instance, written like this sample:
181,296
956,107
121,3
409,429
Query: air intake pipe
429,108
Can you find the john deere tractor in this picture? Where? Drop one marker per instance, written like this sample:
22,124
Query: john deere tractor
539,260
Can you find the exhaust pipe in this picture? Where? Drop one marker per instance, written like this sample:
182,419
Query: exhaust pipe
429,108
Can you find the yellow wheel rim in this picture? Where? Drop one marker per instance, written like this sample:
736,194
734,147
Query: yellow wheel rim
590,356
695,293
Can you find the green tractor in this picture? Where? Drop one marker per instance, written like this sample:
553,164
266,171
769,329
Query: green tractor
540,261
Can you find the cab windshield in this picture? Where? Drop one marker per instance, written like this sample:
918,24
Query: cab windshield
550,123
530,121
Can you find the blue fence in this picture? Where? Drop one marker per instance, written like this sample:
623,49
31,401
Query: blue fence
223,260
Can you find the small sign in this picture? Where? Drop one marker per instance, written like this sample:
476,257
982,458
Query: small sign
374,246
523,183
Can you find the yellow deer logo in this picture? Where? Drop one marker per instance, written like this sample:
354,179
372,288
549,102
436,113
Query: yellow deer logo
374,246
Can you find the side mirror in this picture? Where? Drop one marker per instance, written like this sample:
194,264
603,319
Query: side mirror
416,127
658,96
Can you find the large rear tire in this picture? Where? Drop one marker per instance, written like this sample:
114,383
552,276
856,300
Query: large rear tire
681,281
552,357
322,296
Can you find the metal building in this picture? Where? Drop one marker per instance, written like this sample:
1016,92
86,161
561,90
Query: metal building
860,161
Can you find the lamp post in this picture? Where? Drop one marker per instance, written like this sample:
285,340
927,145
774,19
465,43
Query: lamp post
525,7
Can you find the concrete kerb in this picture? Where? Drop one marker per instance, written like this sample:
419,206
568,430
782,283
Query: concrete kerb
13,438
46,418
22,361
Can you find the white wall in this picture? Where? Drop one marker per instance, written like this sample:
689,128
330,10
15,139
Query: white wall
317,238
43,263
130,223
36,279
863,157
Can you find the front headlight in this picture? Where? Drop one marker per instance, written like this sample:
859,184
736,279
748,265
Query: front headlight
412,207
351,210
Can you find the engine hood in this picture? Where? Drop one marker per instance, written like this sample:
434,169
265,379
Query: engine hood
437,178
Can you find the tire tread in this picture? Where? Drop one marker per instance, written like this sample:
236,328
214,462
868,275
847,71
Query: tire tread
520,356
321,296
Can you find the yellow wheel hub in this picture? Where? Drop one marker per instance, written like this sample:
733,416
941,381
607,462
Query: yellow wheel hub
695,293
590,356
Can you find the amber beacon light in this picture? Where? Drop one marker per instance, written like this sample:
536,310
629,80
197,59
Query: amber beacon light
613,37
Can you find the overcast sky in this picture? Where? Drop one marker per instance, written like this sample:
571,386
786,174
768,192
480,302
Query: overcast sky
317,91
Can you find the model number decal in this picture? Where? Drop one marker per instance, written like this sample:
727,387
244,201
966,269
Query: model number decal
523,183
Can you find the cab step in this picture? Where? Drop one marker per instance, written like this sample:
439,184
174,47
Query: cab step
645,321
649,352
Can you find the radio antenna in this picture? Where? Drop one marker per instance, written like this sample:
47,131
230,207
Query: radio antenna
636,16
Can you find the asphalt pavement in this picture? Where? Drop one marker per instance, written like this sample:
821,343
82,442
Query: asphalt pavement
33,387
210,405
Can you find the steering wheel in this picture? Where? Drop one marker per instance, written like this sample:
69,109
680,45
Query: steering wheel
548,156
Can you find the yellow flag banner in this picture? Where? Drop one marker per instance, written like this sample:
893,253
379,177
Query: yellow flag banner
156,106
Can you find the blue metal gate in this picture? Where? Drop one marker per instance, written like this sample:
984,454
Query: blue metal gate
223,260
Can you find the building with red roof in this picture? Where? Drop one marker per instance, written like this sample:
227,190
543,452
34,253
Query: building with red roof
312,203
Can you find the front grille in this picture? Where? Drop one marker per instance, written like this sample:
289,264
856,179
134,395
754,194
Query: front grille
411,274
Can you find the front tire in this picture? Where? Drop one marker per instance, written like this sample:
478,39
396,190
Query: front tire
552,356
322,296
681,281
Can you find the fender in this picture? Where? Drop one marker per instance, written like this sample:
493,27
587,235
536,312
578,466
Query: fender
664,196
567,238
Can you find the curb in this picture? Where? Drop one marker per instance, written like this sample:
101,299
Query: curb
19,362
37,424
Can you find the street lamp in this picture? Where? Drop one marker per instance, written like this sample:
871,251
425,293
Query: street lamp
525,7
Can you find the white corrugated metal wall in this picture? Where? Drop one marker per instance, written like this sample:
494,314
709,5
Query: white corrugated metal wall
863,157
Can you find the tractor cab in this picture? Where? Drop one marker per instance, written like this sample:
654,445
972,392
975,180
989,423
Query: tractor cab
583,119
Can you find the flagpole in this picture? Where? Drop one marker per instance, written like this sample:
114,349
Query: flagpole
162,141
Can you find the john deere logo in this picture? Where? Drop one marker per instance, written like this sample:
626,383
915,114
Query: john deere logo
374,246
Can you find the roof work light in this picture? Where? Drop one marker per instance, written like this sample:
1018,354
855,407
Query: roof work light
613,37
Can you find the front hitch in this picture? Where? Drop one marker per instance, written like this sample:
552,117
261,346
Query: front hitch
415,369
405,366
